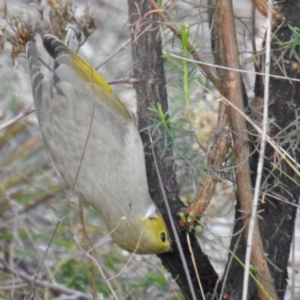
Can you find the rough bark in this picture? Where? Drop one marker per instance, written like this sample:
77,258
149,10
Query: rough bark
151,89
277,217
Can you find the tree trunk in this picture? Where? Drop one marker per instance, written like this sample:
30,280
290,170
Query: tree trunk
279,191
276,217
151,89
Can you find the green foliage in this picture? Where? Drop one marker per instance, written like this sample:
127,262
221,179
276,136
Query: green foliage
179,124
74,273
293,44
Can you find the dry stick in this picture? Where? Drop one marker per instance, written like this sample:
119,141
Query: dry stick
42,262
86,248
55,288
215,158
113,54
101,271
17,118
253,41
129,260
223,121
261,156
29,207
230,259
262,6
266,289
234,69
284,155
195,265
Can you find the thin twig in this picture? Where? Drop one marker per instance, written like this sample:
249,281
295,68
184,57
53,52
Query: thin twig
183,259
194,264
234,69
86,244
113,54
16,118
32,291
261,155
106,280
234,93
55,288
295,166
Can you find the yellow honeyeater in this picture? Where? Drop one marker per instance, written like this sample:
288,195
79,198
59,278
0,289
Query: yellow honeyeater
96,146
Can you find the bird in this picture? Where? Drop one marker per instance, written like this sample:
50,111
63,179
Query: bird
96,147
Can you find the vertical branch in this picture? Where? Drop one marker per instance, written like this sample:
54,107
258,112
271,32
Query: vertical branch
259,173
151,89
281,180
239,131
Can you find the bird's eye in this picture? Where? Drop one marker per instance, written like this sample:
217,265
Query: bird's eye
163,237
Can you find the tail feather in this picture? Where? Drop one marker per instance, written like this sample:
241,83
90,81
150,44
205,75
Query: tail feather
40,84
54,46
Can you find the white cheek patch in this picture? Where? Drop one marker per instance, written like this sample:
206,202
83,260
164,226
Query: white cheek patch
151,212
